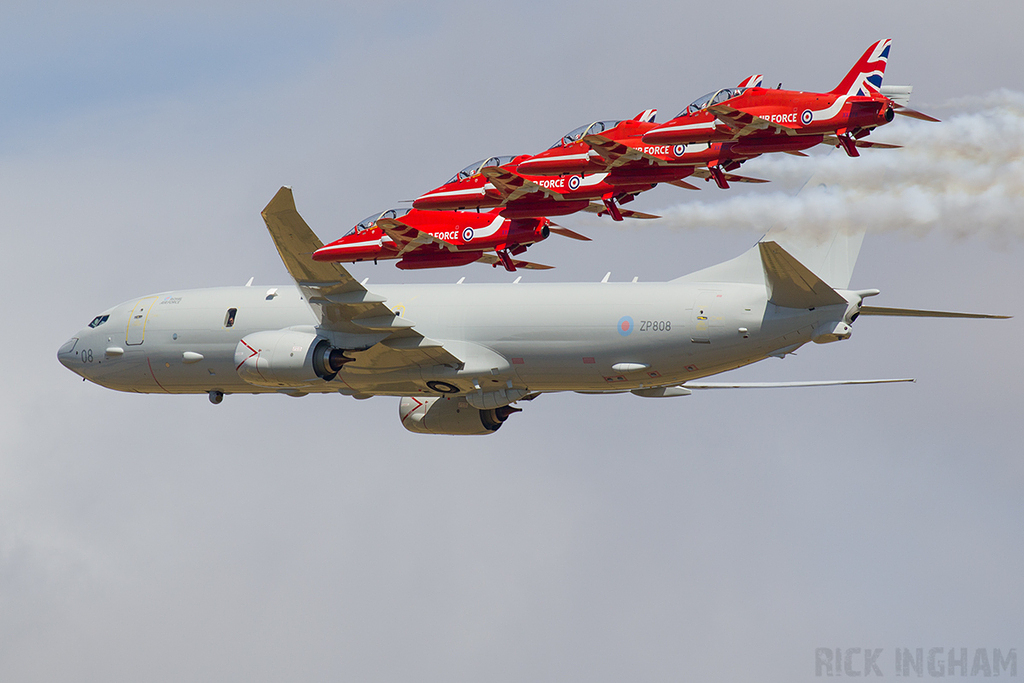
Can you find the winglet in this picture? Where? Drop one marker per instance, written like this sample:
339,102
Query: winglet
791,284
296,242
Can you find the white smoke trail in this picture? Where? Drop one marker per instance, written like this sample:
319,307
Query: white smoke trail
964,176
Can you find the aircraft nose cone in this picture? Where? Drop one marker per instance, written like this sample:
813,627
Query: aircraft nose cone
66,354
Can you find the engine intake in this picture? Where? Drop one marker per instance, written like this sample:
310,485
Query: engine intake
450,415
287,358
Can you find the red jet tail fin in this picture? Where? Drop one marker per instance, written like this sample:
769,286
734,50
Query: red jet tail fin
751,81
646,116
866,75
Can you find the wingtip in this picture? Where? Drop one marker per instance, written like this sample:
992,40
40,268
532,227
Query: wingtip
283,200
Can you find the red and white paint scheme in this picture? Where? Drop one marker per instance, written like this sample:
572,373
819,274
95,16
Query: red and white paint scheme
617,148
495,183
769,120
605,161
437,239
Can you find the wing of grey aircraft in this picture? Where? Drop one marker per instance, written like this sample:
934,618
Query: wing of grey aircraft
460,357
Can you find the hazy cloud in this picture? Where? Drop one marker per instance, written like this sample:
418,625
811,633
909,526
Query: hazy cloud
963,177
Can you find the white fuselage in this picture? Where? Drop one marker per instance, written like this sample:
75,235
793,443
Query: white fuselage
537,337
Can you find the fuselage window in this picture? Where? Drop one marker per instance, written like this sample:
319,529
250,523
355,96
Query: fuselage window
229,319
99,320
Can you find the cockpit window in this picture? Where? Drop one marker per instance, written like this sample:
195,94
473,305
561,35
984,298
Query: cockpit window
99,320
576,134
372,219
229,317
716,97
475,167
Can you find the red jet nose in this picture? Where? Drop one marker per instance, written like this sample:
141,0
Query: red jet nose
331,252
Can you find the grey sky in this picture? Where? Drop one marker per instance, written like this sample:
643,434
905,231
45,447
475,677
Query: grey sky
723,536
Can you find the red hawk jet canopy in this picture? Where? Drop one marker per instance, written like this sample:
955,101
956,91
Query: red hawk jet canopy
475,167
576,134
372,219
716,97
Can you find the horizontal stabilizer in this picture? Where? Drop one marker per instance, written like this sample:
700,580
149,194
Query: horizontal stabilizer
785,385
865,144
566,232
707,174
493,260
791,284
917,313
915,114
683,184
733,178
601,209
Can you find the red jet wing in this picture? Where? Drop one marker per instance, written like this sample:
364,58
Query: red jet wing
616,154
409,238
742,123
514,187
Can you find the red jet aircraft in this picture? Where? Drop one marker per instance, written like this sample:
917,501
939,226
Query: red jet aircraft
765,120
494,183
617,146
604,160
436,239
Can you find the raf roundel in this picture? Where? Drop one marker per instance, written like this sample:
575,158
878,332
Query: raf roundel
467,235
574,182
679,150
806,117
625,326
443,387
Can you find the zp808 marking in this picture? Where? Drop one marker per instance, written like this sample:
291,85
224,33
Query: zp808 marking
654,326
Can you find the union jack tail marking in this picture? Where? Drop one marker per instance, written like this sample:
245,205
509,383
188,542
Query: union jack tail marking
646,116
751,81
865,78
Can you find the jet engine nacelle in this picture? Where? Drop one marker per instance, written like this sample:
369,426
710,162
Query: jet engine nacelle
450,415
287,358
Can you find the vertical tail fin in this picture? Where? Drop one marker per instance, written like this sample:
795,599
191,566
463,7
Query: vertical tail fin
751,81
646,116
866,75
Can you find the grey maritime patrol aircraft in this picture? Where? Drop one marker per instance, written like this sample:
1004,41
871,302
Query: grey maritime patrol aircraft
462,356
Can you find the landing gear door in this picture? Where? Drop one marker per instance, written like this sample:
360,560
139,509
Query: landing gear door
137,321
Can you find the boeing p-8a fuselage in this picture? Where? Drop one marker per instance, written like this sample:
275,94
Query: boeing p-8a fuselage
540,337
461,355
